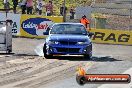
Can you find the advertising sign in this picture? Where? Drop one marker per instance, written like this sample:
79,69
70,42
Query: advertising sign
16,21
112,36
36,26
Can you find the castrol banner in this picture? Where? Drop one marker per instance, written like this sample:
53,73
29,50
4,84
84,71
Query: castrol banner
36,26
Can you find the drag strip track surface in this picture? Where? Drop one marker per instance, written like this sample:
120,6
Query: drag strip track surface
37,72
24,69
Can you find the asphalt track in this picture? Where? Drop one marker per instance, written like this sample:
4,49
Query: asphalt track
25,69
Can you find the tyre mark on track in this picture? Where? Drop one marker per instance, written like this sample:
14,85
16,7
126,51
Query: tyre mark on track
29,74
9,65
19,71
64,71
10,69
47,67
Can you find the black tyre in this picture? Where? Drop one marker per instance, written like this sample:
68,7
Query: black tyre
45,53
8,51
86,56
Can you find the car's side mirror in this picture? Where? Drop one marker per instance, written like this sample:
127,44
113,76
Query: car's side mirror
90,34
47,31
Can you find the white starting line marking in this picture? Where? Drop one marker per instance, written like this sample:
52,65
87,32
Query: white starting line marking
129,71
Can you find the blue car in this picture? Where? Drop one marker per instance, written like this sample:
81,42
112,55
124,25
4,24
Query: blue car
68,39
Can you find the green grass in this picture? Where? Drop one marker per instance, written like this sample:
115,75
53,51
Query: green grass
1,4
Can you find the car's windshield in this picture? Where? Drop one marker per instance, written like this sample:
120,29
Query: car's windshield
68,29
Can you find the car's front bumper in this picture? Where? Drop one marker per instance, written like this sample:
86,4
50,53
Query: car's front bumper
69,49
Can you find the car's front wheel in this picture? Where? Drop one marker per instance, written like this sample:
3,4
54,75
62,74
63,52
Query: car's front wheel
86,56
45,53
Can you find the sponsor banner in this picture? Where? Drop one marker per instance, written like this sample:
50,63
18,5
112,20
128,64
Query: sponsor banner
112,36
16,21
36,26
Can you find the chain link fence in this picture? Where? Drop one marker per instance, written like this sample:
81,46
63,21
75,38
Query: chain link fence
103,14
107,14
112,14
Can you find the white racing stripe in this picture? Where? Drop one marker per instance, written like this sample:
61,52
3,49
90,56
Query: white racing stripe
129,71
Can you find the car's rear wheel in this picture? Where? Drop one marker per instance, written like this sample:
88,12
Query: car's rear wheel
45,53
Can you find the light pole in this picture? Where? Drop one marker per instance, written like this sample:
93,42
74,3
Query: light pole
130,15
64,9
